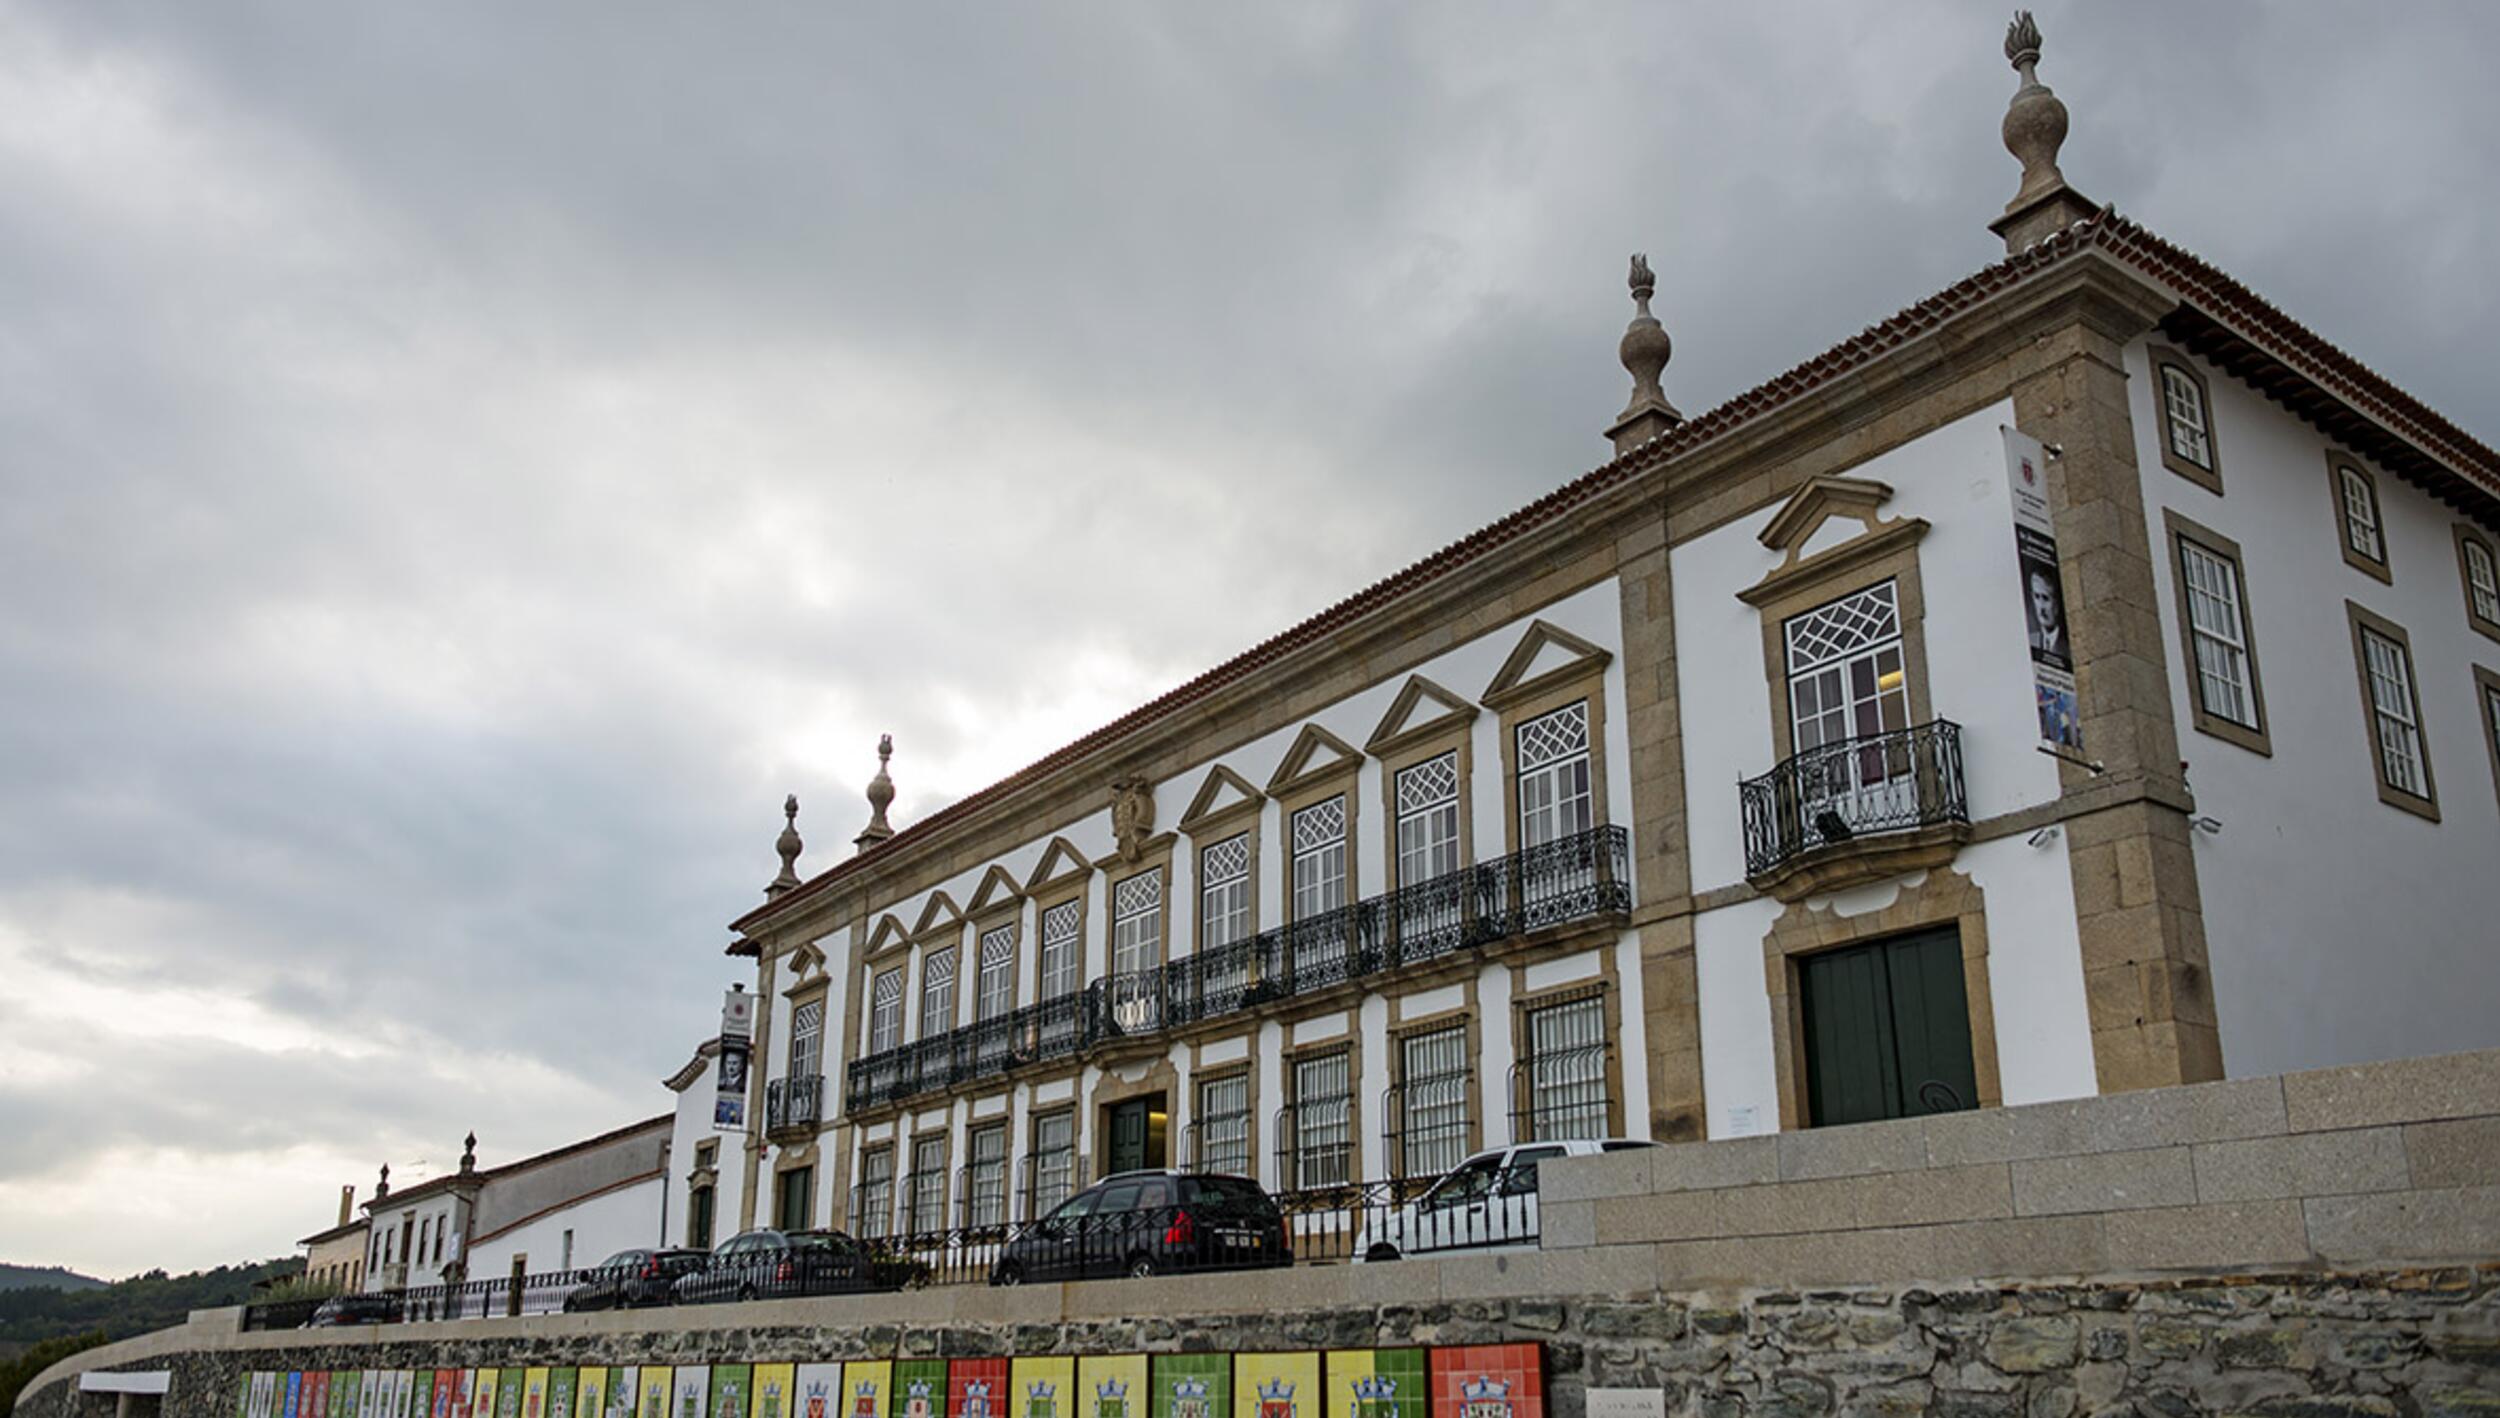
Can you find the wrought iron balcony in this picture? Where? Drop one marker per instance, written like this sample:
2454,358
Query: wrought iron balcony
794,1102
1557,883
1855,796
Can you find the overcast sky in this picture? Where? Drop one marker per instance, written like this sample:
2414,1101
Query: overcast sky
462,463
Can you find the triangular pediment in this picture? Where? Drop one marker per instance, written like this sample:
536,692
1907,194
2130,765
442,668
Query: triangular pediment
1315,753
1421,709
1547,655
807,966
1223,794
997,889
940,913
890,932
1060,861
1792,529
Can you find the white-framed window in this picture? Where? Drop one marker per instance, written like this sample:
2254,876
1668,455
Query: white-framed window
807,1039
2218,628
1323,1120
1137,922
937,993
996,984
1847,677
985,1179
1319,858
2361,528
1224,891
928,1185
1427,797
1555,794
1432,1089
1566,1047
1062,946
2482,581
1053,1160
1224,1125
2184,417
885,1011
876,1192
2389,670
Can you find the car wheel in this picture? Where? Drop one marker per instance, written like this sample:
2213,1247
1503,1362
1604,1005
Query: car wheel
1008,1274
1381,1250
1140,1266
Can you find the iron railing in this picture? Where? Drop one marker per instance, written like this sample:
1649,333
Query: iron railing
794,1102
1852,788
1556,883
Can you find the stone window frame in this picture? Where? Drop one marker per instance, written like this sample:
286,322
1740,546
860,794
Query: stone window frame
1340,779
1004,1125
1465,1016
900,969
785,1167
968,982
2338,462
2209,478
1518,701
1074,893
1888,553
814,991
1942,896
2425,804
859,1219
1606,986
2258,740
943,1136
1289,1134
2469,535
1156,862
1204,829
1456,739
2486,707
1244,1068
1028,1188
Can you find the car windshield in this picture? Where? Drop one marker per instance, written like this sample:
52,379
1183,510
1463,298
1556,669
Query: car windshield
623,1260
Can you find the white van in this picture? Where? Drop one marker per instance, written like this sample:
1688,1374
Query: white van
1487,1201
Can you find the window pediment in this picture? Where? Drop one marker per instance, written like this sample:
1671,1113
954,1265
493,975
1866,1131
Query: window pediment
1316,754
1421,710
997,889
1060,862
890,932
940,913
1792,528
1546,656
1222,796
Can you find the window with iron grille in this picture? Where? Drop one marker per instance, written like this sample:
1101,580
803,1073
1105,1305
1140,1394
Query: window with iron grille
1061,931
1224,1125
1555,799
2218,625
985,1180
885,1012
876,1193
1053,1161
2360,502
1137,922
2395,714
1432,1095
1566,1070
807,1039
997,982
1224,892
937,993
928,1185
794,1198
1427,796
2183,408
1323,1120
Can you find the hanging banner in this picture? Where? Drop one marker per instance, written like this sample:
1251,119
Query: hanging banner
737,1027
2043,593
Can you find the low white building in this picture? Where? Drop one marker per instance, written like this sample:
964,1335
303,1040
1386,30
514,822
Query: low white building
559,1210
692,1208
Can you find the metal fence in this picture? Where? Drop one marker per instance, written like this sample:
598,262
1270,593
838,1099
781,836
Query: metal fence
1851,788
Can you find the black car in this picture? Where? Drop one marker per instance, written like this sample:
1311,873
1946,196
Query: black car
765,1264
633,1280
1150,1223
366,1308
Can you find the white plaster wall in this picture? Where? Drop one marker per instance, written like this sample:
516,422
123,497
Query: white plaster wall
2341,929
601,1225
692,1126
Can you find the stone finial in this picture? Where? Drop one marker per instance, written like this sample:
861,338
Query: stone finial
468,1153
880,797
1645,351
2034,130
382,1188
789,846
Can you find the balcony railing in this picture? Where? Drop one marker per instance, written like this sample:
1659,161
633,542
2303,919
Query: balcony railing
1854,788
794,1102
1575,878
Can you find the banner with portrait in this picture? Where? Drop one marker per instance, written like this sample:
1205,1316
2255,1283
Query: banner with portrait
2043,594
737,1030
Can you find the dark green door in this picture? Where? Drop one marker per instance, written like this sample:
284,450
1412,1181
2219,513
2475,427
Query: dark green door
1130,1123
1887,1030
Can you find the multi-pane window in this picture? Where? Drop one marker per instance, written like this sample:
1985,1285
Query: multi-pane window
1846,675
1060,949
2218,628
1319,858
807,1039
1224,892
2360,501
985,1177
1555,799
1566,1073
1433,1096
2482,581
937,993
1224,1125
928,1185
876,1192
1053,1161
885,1012
1427,796
2184,416
2395,714
1323,1121
996,984
1137,922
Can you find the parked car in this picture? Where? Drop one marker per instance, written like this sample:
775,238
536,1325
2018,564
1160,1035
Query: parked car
363,1308
765,1264
1488,1200
633,1280
1148,1223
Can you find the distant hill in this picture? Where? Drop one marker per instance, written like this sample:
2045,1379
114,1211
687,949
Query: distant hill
56,1277
123,1308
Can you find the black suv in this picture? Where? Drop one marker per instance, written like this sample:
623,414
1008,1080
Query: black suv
368,1307
1149,1223
765,1264
632,1280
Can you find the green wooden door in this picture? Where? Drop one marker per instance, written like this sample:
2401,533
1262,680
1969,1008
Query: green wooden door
1129,1124
1887,1030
